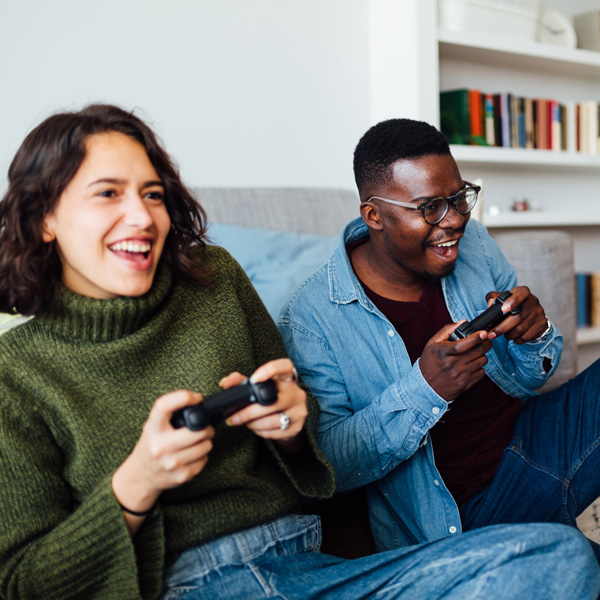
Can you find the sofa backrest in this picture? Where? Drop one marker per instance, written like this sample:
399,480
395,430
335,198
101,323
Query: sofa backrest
319,211
544,263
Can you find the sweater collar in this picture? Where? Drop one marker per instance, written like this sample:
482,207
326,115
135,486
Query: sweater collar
91,319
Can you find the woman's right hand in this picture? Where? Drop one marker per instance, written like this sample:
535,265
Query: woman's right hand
163,457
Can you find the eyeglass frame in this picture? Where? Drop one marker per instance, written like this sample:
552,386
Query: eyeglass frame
449,199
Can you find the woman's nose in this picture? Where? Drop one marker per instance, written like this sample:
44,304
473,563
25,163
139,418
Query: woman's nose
137,212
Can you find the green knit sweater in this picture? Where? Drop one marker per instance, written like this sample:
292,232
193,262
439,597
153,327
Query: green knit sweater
76,387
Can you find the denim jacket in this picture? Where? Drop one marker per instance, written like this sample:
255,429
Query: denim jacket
376,407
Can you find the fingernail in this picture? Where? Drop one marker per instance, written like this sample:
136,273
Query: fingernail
222,381
255,377
491,336
228,422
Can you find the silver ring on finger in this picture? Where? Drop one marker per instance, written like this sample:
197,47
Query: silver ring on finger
293,377
284,421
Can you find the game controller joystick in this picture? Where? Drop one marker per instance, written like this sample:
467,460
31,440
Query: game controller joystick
487,320
215,407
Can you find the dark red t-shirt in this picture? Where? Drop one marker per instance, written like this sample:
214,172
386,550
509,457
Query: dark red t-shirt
470,438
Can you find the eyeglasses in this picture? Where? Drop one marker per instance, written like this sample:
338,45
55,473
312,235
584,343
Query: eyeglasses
435,209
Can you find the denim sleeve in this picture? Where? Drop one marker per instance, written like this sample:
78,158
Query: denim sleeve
527,361
366,428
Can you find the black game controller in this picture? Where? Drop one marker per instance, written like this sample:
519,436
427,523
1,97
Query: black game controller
213,408
487,320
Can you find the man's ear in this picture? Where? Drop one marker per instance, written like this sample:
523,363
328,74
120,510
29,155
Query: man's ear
370,215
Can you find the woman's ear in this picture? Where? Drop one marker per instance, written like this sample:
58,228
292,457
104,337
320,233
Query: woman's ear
48,234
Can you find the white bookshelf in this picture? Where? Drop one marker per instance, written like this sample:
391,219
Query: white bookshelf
563,188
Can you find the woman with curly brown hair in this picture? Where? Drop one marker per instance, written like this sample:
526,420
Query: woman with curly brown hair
134,316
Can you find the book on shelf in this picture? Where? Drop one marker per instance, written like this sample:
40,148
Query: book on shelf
529,124
490,128
462,116
555,126
505,119
474,117
587,288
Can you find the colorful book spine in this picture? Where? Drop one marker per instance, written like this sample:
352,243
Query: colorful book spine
476,118
529,124
503,119
582,290
555,126
454,116
490,129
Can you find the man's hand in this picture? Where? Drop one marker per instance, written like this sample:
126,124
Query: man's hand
529,324
451,368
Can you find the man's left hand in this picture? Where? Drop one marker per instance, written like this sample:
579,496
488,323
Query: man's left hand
525,326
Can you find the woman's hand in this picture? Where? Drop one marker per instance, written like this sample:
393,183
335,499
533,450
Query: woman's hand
163,457
282,422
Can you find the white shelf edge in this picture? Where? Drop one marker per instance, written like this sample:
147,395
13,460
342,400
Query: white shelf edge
518,46
522,156
588,335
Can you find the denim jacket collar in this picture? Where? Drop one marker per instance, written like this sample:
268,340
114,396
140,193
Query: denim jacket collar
344,286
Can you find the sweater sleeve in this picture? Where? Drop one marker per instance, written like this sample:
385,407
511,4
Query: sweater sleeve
53,547
308,470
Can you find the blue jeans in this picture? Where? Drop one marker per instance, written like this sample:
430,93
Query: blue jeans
550,471
281,560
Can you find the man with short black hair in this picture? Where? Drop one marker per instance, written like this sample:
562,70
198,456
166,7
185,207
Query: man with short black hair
441,444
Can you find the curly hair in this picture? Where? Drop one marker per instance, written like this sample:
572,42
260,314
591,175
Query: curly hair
395,139
42,168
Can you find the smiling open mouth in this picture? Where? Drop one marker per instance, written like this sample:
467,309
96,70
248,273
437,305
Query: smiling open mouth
132,250
444,248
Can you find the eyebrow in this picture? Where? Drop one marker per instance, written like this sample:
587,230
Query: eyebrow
117,181
422,199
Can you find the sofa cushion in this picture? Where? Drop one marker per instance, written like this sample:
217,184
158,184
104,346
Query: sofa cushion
276,262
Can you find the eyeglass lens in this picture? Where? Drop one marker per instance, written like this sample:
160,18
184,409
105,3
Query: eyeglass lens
435,210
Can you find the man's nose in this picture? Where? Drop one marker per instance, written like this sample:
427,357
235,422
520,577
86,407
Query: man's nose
452,218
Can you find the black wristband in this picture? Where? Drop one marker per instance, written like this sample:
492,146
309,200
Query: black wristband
134,512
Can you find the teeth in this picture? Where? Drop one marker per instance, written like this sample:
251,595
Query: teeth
131,246
446,244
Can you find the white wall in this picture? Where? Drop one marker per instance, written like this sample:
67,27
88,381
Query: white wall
243,92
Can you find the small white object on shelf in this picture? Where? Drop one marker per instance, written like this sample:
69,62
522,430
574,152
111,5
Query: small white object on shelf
587,27
555,28
513,18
